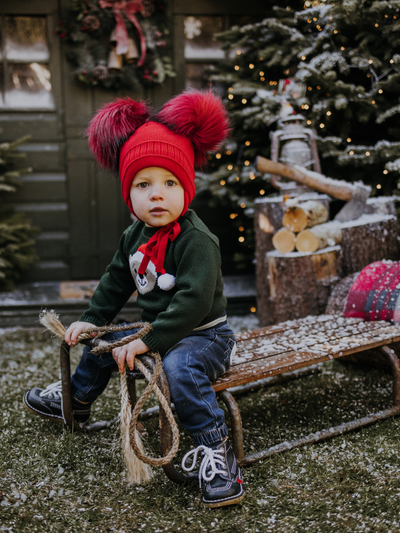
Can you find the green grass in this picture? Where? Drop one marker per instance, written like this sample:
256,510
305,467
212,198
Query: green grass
52,481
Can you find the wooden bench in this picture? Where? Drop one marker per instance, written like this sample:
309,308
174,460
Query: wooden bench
272,351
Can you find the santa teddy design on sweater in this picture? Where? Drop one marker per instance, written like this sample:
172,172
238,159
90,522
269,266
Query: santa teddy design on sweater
147,281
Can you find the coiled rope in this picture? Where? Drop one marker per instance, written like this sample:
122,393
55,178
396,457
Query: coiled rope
135,456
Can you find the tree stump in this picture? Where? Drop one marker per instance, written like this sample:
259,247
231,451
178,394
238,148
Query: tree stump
299,284
268,215
365,240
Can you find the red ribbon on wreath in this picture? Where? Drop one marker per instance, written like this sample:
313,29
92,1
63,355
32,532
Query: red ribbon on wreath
128,9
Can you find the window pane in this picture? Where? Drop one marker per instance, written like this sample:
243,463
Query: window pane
199,42
26,39
28,86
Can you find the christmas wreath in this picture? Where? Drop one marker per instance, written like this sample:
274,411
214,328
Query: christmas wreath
117,43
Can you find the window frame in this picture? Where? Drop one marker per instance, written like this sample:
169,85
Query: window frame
34,8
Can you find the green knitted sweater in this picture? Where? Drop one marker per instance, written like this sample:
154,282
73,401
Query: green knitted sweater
192,289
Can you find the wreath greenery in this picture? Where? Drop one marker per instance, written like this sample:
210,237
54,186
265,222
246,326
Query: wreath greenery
89,31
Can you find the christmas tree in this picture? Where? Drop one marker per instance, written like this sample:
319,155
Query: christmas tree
341,58
17,248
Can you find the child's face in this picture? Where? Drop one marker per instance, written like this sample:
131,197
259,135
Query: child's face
157,196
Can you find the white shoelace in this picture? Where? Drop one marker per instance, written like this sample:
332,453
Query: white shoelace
208,467
54,389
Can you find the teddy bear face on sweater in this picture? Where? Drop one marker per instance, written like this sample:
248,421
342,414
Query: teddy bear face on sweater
147,281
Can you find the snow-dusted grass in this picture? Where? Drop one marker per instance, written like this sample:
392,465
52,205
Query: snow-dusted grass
52,481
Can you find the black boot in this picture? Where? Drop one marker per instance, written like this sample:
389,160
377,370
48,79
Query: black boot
220,474
47,403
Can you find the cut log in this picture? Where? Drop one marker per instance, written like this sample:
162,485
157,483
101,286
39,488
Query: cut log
369,238
300,284
306,215
284,240
337,188
268,213
318,237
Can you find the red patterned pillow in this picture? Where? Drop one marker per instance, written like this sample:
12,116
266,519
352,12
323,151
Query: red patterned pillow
375,293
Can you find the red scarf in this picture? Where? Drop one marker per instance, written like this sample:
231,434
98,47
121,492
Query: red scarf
154,250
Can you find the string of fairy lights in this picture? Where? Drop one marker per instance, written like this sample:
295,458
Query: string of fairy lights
323,124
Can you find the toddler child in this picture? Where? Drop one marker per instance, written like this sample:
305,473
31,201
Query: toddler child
170,257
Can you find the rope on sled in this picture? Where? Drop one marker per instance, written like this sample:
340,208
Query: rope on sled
136,460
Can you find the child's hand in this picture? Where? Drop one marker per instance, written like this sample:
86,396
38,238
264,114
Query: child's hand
75,329
128,352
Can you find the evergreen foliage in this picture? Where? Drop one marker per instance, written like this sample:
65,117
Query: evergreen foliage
345,53
17,248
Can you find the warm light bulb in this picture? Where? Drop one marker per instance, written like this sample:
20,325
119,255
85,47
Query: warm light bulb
367,153
241,239
252,176
380,91
253,309
238,52
230,96
262,192
247,163
218,156
251,65
222,182
385,171
244,101
247,143
237,67
241,228
351,152
329,113
233,215
379,186
230,167
242,205
348,139
322,125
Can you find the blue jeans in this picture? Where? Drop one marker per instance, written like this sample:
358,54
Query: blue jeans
190,366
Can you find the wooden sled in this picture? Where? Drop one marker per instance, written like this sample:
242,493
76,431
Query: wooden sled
273,351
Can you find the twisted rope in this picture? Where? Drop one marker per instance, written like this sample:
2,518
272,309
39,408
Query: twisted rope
128,416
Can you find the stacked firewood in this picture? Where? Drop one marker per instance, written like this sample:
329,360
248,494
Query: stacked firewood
306,227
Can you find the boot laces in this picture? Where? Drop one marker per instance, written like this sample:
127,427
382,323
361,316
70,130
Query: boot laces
52,391
210,463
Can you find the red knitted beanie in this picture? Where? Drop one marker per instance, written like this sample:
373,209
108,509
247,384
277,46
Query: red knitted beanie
154,145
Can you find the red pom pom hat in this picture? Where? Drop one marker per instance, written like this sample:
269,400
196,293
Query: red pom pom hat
155,145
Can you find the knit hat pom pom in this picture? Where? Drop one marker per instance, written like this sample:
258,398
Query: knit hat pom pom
111,126
198,116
